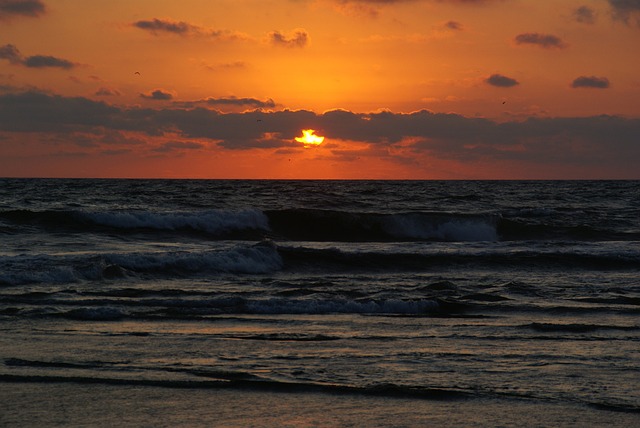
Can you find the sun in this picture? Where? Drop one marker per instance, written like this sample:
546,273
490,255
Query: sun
309,138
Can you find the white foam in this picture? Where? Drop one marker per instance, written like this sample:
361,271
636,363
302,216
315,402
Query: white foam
255,259
36,269
416,226
260,258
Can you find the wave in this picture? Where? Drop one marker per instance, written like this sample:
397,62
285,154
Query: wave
576,327
217,380
217,223
425,259
80,306
212,379
267,257
285,337
322,225
255,259
116,310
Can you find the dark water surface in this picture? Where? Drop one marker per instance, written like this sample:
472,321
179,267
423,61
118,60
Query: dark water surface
416,290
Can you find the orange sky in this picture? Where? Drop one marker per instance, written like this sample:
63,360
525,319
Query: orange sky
443,89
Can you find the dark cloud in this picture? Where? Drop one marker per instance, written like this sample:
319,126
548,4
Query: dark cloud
42,61
116,152
13,55
590,82
165,26
547,41
158,95
229,101
596,140
35,111
156,26
625,10
108,92
299,38
501,81
585,15
270,141
11,8
178,145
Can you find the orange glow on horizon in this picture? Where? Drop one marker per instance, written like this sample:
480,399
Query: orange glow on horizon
309,138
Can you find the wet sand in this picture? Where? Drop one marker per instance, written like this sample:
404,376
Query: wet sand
74,405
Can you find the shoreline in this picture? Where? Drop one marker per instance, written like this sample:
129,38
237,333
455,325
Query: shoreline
69,404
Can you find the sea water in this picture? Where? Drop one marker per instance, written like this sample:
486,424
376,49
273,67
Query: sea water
387,302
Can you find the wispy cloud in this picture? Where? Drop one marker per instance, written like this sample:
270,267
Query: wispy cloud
158,95
13,55
228,101
107,92
373,8
546,41
585,15
298,38
236,65
453,25
159,27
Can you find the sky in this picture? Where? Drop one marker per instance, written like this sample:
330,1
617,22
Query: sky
399,89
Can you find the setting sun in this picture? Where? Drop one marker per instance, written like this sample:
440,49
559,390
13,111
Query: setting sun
309,138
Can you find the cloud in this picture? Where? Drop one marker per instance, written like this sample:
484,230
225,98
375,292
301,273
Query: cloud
453,25
566,141
372,8
42,61
585,15
467,2
625,10
501,81
158,95
158,27
172,146
107,92
299,38
237,65
590,82
36,111
13,55
229,101
13,8
547,41
392,2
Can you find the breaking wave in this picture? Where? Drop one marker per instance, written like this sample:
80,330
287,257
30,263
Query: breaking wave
318,225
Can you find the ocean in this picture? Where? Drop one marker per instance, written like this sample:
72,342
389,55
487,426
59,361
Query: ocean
319,303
